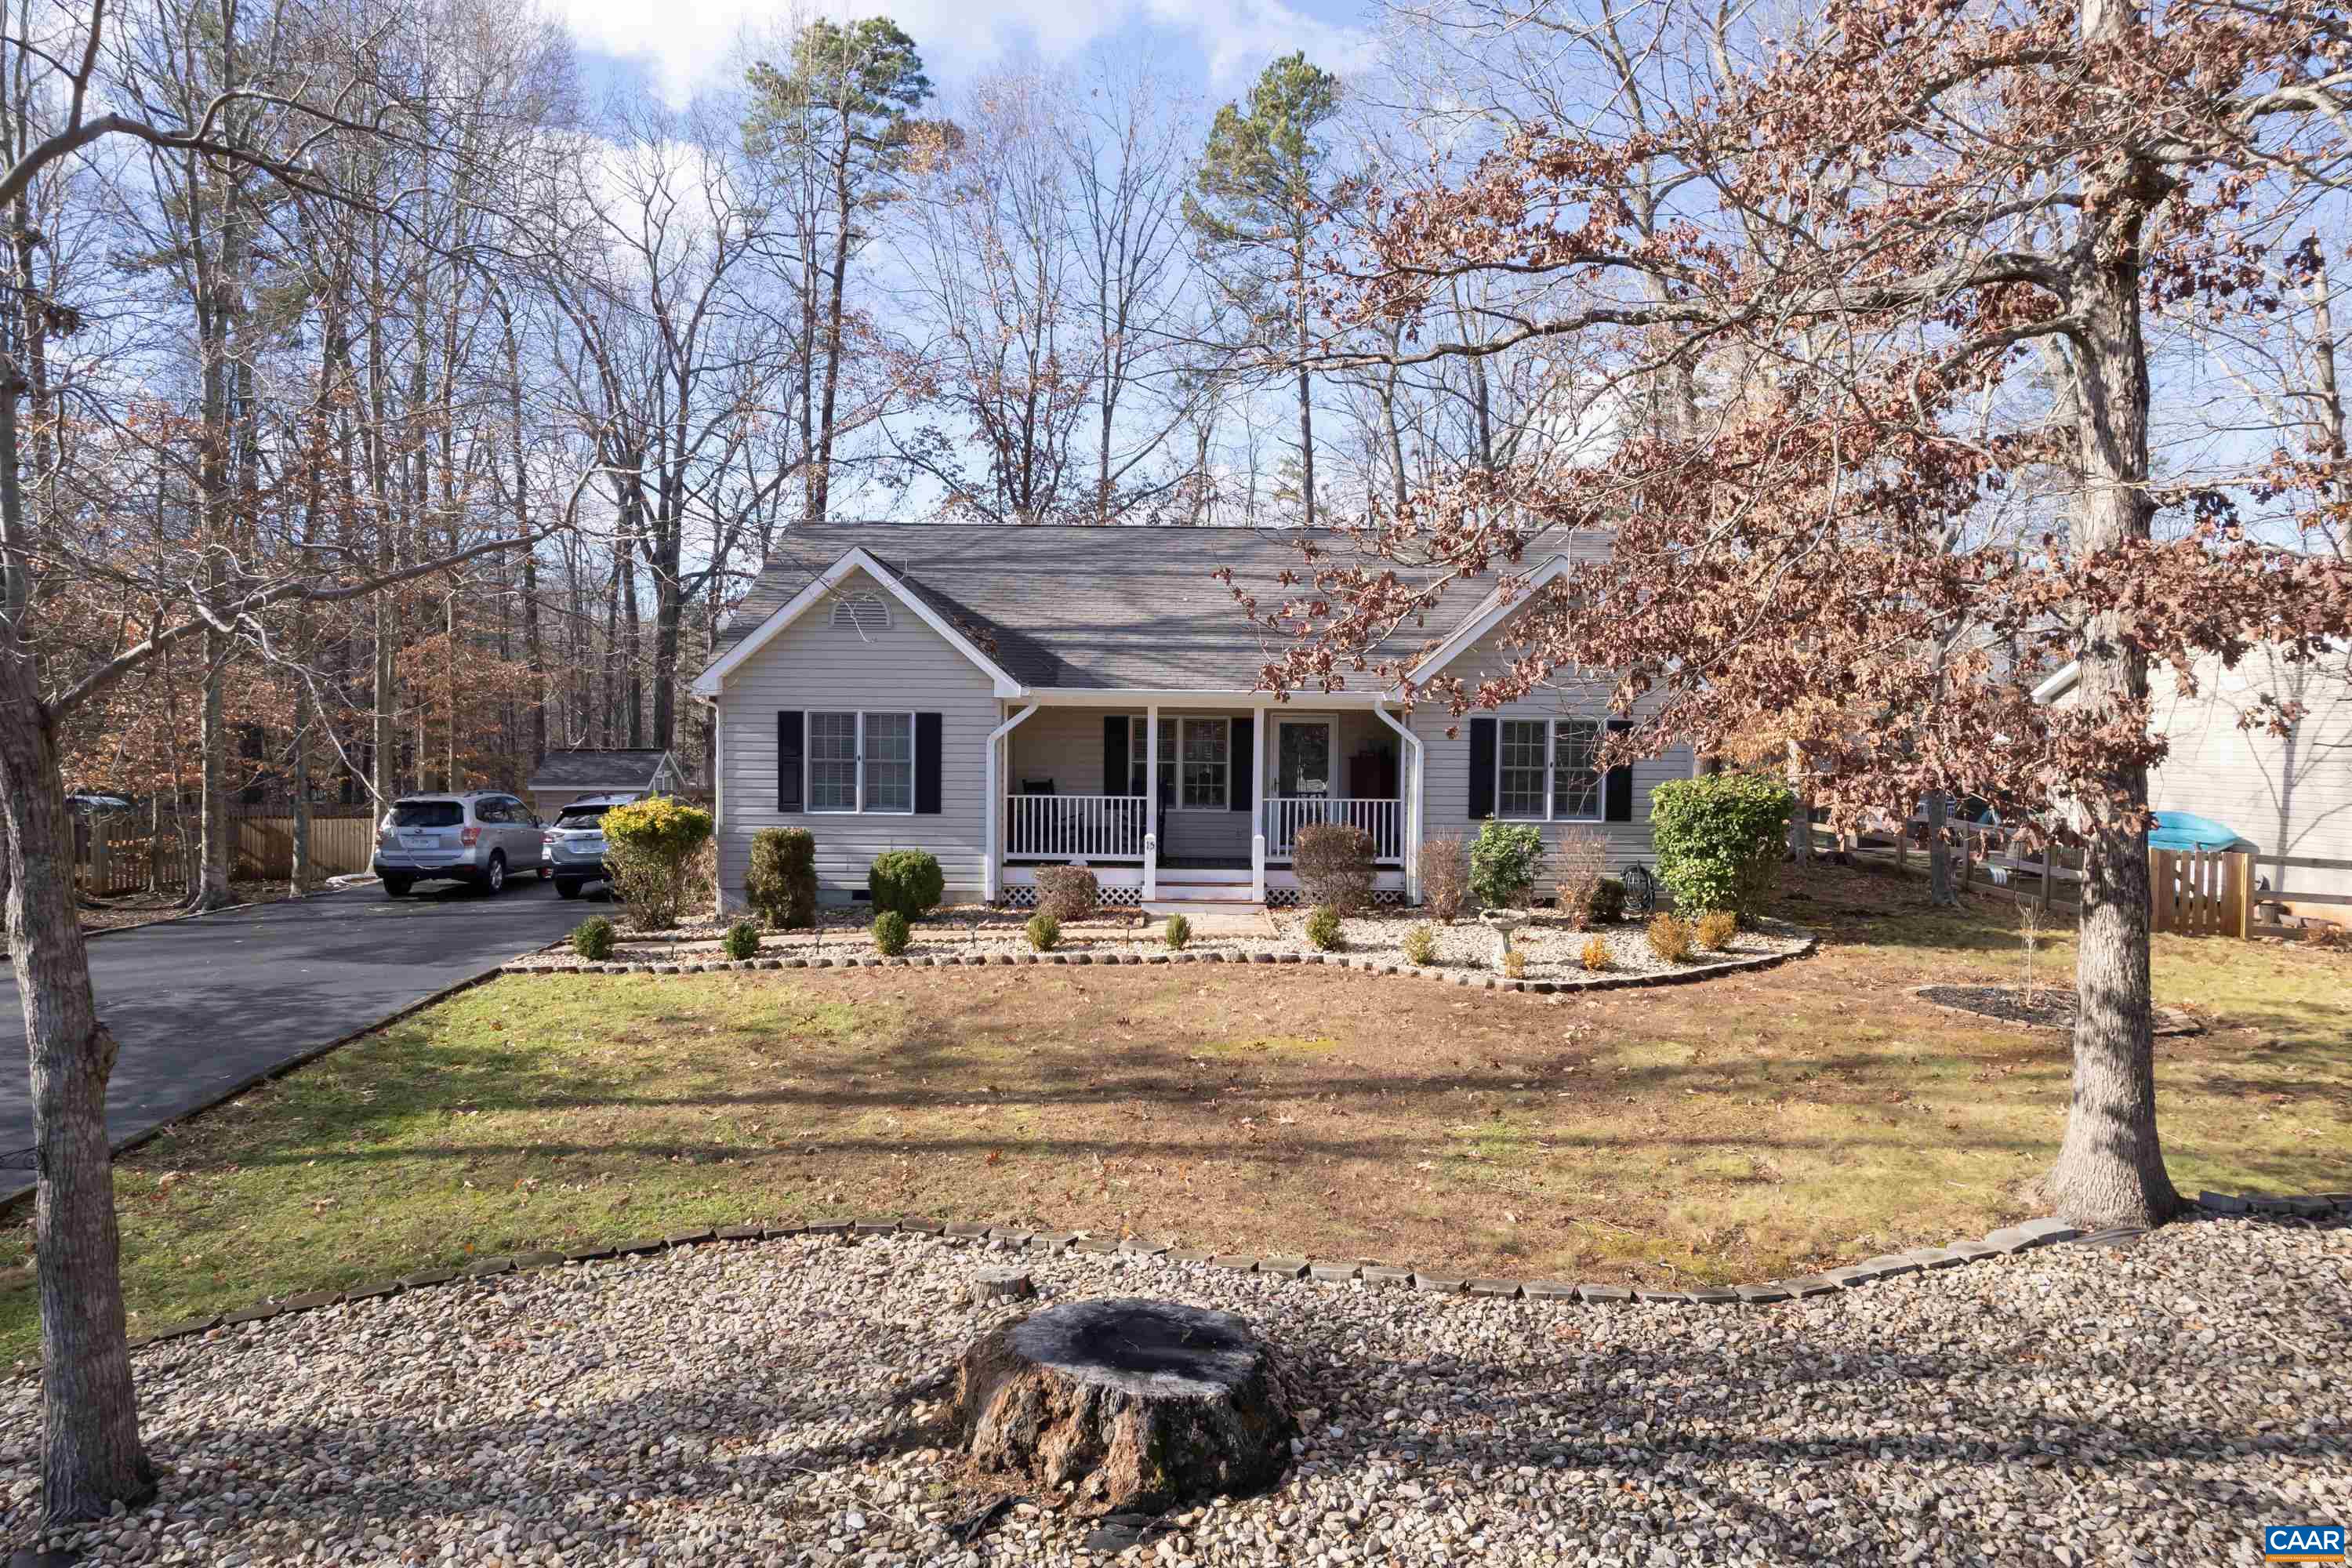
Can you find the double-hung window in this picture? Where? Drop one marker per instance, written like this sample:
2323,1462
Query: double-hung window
861,761
1544,772
1196,761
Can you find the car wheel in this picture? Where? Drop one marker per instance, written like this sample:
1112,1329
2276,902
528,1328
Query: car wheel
565,888
396,887
494,880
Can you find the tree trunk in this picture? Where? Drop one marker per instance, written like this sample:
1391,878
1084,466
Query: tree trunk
1306,407
1800,820
821,464
2110,1168
91,1458
299,787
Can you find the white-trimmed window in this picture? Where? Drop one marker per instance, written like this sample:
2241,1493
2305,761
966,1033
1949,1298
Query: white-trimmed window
861,761
1196,761
1544,773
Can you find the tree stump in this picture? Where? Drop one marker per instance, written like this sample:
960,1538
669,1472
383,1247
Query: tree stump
1143,1405
1000,1285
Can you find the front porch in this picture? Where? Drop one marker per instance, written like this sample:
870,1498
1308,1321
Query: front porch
1194,803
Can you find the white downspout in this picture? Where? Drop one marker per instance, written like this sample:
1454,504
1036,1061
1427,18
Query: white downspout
1152,803
1414,794
989,857
1257,805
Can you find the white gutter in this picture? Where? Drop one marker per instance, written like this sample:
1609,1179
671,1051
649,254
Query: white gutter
1412,817
988,858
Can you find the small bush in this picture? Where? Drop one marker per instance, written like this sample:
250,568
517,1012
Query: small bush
1514,965
1067,893
593,939
1670,938
655,859
781,885
1177,933
1608,902
1578,863
891,933
1333,862
1716,928
1323,929
1420,946
1595,956
1444,877
742,941
906,880
1720,838
1044,931
1503,863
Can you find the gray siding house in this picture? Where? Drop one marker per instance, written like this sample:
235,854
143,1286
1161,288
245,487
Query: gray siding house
1013,698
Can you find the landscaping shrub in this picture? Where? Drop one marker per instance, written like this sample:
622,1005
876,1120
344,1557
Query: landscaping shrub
1716,928
593,939
1044,931
654,858
1333,862
1514,965
1323,929
1595,956
891,933
1067,893
742,941
1608,902
781,885
1720,838
1503,863
1578,862
1444,877
1178,933
1420,946
906,880
1670,938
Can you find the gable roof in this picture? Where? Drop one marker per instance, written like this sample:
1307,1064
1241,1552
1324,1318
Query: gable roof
741,637
1086,607
624,767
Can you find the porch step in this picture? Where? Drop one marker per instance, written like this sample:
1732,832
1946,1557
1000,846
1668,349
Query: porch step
1202,893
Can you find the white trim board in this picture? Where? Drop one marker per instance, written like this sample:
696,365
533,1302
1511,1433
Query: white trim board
1491,612
709,682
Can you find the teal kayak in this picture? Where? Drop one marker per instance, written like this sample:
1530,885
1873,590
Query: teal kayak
2180,830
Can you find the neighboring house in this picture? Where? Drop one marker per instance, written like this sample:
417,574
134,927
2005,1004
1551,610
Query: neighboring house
565,776
1008,698
2292,794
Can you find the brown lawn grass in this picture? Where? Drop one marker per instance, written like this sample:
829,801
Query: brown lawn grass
1737,1130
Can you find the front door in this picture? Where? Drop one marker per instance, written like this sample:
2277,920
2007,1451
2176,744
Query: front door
1302,767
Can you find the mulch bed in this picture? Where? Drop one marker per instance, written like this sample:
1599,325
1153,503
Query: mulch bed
2053,1007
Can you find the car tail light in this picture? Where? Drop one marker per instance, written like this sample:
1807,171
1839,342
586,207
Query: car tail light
470,837
385,836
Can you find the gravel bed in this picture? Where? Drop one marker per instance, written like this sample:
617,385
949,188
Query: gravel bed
1553,949
2053,1007
766,1402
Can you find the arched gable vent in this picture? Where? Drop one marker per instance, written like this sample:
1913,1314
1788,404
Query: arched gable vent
867,613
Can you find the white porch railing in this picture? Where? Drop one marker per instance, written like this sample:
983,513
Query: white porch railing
1075,826
1382,818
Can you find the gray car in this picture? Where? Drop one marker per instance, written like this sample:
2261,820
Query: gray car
575,845
484,837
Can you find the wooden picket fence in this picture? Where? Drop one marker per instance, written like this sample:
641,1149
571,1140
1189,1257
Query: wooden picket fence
2202,892
119,854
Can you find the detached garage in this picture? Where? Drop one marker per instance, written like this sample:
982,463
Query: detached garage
565,776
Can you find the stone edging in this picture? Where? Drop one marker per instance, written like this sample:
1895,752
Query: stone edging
2022,1238
1467,979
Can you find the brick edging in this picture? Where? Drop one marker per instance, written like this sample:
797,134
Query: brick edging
1464,979
2023,1236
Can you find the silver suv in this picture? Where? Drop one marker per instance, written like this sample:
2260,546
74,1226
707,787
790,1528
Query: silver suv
483,838
575,845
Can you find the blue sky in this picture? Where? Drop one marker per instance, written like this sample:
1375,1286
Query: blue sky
1213,46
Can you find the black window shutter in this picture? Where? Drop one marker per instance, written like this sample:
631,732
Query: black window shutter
1238,781
1617,785
927,764
788,761
1482,769
1115,779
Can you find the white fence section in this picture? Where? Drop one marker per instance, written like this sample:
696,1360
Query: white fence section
1075,826
1382,818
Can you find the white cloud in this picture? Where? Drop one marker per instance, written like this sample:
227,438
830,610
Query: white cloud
686,45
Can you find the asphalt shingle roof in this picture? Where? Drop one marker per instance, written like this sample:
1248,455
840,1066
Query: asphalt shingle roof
583,768
1077,607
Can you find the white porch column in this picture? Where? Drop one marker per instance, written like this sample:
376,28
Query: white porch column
1257,805
991,860
1152,803
1409,783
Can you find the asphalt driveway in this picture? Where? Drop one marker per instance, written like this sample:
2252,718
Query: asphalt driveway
200,1005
